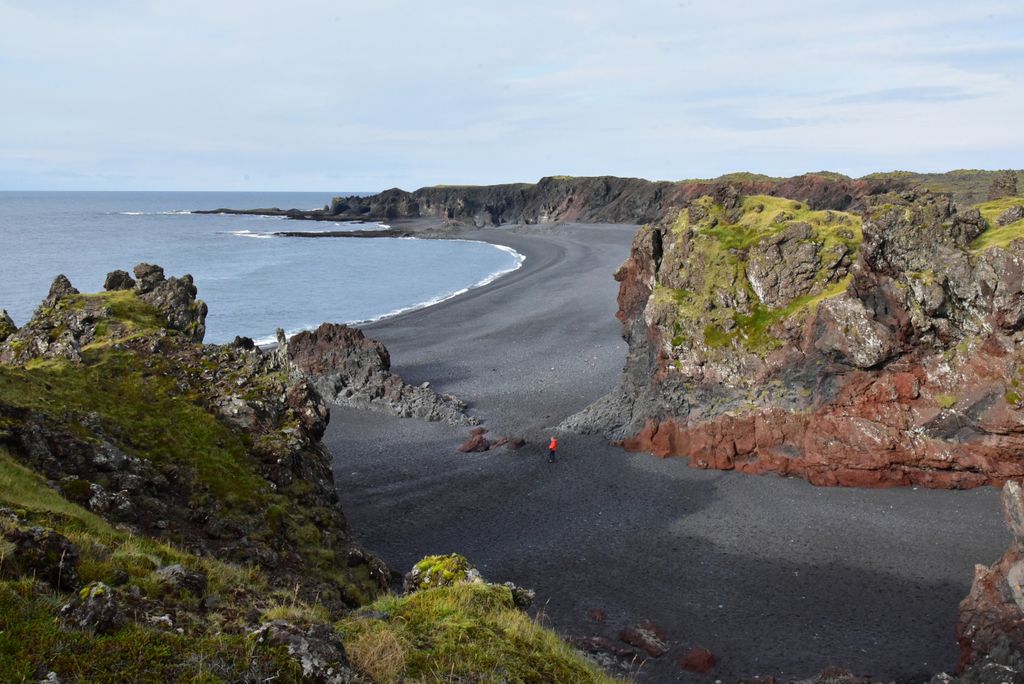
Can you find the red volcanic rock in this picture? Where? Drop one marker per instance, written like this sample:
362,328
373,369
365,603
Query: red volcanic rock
516,443
646,636
994,609
872,434
698,660
478,431
498,442
598,615
476,443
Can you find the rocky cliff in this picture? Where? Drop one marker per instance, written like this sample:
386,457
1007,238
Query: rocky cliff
604,199
168,513
867,343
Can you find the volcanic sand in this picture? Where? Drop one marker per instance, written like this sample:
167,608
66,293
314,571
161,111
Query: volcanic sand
774,576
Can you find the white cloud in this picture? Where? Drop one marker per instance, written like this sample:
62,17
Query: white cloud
318,94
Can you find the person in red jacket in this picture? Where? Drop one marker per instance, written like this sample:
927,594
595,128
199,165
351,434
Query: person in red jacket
552,449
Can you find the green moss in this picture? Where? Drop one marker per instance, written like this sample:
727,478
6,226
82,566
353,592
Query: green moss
715,266
467,632
435,571
996,235
945,401
1012,398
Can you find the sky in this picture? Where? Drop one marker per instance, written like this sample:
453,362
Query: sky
339,96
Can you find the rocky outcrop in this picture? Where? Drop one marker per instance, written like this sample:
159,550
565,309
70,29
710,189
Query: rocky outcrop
215,447
873,348
350,369
1004,184
66,321
992,615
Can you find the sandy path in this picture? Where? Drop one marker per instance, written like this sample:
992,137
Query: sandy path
773,575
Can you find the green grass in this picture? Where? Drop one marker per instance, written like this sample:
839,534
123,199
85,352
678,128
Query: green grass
996,235
140,399
467,631
945,401
31,638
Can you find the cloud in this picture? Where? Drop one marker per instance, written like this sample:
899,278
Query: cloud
317,94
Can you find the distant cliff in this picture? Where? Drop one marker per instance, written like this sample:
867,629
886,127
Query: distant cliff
603,199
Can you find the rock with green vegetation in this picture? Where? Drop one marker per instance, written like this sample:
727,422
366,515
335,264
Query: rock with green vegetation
441,571
467,631
852,348
217,448
7,326
42,554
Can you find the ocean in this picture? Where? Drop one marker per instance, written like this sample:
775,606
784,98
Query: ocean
254,282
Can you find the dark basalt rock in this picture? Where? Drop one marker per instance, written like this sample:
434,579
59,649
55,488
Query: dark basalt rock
97,608
60,287
1003,185
318,650
118,280
178,578
7,326
175,298
43,554
1011,215
350,369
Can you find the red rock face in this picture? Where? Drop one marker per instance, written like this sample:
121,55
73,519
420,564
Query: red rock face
994,610
874,433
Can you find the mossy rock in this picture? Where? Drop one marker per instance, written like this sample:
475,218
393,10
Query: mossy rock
441,571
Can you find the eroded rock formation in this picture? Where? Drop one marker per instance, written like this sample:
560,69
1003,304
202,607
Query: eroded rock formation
877,347
992,615
352,370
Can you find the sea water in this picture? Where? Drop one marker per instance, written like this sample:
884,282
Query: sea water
253,281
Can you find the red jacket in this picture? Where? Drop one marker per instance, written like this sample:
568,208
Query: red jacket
554,444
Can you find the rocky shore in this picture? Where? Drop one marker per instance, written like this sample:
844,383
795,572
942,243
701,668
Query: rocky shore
168,511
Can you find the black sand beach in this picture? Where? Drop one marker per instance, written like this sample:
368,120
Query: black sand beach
772,575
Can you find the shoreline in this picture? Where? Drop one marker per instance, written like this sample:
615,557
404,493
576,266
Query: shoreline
771,574
270,341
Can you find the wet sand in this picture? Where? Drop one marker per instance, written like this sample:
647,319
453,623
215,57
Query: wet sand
772,575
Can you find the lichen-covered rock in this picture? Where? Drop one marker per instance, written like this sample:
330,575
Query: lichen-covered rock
179,578
441,571
118,280
97,608
174,297
1011,215
60,287
1004,184
350,369
318,650
43,554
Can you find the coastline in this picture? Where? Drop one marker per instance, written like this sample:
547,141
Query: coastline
774,576
521,259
